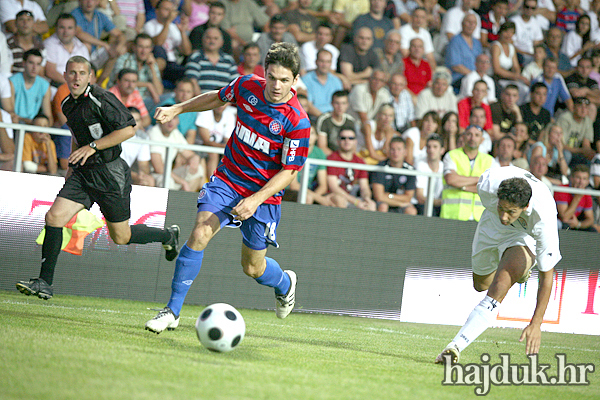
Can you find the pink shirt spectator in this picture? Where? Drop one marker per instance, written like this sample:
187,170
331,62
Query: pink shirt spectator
199,13
134,100
130,9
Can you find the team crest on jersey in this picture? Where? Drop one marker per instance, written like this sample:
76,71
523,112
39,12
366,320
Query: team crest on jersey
201,194
275,127
96,130
253,100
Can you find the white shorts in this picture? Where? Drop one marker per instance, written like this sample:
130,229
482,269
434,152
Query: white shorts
492,239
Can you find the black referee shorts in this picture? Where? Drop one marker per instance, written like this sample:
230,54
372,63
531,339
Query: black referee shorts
109,185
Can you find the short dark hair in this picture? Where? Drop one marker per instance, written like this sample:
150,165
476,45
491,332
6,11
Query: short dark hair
41,115
538,85
580,168
31,52
278,19
284,54
585,59
435,138
125,71
516,191
476,108
510,86
142,35
506,26
66,16
250,45
24,12
217,4
340,93
398,139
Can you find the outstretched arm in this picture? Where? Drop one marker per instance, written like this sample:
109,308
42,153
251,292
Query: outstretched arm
205,101
532,334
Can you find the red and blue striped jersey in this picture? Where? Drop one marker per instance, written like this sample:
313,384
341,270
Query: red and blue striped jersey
267,137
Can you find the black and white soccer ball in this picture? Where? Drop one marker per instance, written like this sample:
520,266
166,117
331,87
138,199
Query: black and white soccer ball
220,327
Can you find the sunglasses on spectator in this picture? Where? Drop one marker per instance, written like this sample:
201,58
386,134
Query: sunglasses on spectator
347,137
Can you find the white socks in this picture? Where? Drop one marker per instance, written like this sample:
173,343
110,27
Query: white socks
479,320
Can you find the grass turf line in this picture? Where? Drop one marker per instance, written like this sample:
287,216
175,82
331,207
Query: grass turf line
92,348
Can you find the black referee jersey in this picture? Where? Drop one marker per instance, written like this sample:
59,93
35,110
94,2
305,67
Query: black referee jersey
94,114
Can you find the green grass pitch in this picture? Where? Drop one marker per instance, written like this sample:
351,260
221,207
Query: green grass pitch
91,348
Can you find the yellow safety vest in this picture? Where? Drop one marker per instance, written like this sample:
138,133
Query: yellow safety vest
456,203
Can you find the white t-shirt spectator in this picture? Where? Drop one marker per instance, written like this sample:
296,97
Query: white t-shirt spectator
308,55
132,152
408,34
10,8
173,41
526,33
219,131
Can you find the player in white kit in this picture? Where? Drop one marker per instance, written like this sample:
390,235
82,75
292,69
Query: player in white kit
516,232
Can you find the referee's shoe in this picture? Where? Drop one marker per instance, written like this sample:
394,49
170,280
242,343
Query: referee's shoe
172,246
37,287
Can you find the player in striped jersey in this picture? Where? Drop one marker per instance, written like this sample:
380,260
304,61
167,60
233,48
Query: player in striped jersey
268,147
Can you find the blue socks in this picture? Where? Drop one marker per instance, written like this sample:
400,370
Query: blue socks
187,268
274,277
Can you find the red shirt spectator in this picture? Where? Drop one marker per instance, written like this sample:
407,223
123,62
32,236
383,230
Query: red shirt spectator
464,112
417,78
565,198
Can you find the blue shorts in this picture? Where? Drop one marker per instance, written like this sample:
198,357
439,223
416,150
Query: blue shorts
258,231
63,144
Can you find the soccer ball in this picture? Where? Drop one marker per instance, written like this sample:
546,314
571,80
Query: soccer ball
220,327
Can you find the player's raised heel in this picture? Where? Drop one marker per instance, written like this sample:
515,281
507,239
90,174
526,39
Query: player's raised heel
285,302
36,287
165,319
450,351
172,246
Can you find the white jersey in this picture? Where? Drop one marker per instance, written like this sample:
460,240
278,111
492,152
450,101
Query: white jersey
538,220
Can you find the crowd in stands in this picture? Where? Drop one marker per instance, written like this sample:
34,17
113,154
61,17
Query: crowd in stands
448,86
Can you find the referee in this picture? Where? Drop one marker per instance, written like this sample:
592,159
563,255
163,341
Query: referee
99,122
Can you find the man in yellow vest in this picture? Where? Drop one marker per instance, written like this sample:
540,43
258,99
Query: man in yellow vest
462,169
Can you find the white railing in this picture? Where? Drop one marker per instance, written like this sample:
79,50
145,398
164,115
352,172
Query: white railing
303,183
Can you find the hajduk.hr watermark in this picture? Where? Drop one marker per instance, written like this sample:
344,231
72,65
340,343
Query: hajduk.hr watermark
482,376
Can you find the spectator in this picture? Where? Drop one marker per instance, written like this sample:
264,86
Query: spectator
61,46
241,19
416,137
404,109
418,29
399,12
539,169
550,145
317,177
7,95
365,101
39,152
394,192
451,24
91,26
528,31
433,163
321,84
575,211
188,169
137,155
479,118
126,91
5,54
251,61
134,13
350,187
578,132
141,60
579,40
199,13
553,44
10,9
482,65
390,58
581,85
184,90
277,33
567,17
595,74
505,62
437,98
376,21
343,16
358,61
546,13
534,115
209,68
330,124
505,113
536,67
32,92
462,168
214,129
462,51
7,144
450,130
505,149
416,69
477,100
309,50
491,22
168,37
216,14
382,131
301,23
520,135
557,88
24,39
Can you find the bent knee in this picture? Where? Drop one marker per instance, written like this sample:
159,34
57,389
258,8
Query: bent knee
253,271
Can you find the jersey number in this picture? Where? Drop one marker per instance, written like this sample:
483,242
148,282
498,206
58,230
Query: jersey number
270,230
